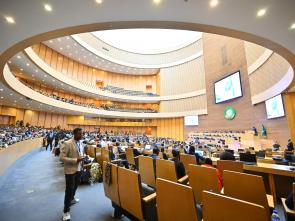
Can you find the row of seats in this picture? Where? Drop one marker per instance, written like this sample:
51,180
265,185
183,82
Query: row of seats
119,90
236,184
175,201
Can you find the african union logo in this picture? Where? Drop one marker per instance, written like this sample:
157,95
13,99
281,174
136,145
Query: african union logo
229,113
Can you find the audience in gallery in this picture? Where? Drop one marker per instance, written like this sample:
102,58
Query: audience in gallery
107,107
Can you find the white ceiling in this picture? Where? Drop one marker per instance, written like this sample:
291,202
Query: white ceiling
148,40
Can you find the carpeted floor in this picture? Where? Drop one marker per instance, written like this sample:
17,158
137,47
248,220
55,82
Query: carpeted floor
33,190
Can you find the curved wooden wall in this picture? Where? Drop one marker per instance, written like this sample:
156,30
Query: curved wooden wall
89,74
183,78
272,71
15,151
187,104
253,52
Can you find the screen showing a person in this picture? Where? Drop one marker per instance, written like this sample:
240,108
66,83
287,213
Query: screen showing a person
228,88
191,120
275,107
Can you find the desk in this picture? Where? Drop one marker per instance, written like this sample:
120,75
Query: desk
285,176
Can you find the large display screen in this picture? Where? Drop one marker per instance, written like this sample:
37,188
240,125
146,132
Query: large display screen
275,107
191,120
228,88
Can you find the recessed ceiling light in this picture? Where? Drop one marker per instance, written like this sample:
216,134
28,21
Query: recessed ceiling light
20,98
21,69
41,104
43,80
36,71
1,89
75,44
48,7
293,26
61,48
157,1
68,46
28,64
53,80
19,57
68,38
214,3
45,76
10,19
50,41
59,39
98,1
61,84
2,97
261,12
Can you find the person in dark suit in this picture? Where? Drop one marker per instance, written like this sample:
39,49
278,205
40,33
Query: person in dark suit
192,151
165,157
180,170
290,146
227,156
155,154
50,138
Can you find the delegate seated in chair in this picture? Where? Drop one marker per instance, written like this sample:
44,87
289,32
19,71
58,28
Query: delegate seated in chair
209,163
180,170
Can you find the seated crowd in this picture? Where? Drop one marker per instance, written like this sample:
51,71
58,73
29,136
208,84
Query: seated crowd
12,134
107,107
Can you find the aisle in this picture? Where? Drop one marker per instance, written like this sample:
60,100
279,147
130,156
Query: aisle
34,191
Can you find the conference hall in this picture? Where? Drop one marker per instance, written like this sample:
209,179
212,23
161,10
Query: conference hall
156,110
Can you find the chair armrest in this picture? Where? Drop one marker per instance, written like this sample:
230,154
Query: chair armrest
149,198
115,161
136,157
183,180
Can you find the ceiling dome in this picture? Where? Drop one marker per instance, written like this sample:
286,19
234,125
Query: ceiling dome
148,41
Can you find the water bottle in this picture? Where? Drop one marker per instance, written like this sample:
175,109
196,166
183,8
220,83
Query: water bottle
275,216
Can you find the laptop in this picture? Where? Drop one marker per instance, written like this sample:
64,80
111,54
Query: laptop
248,158
200,153
147,147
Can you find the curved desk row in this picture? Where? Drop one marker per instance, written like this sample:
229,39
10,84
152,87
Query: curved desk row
15,151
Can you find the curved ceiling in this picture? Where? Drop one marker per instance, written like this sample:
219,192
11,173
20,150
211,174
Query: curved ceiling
148,40
72,49
31,19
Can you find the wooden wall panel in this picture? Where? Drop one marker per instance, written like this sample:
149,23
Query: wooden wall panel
272,71
183,78
41,119
187,104
88,74
4,120
290,111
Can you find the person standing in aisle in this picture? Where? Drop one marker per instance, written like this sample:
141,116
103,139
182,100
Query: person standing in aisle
72,156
